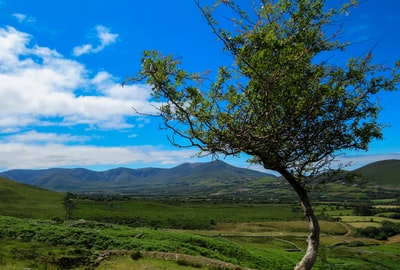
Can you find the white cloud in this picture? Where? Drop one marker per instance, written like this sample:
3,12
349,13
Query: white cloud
83,49
37,83
105,38
34,137
21,155
21,18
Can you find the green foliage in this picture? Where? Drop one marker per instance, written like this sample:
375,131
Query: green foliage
96,236
363,209
367,258
382,233
282,101
136,255
15,254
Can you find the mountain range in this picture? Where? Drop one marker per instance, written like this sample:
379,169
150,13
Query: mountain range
193,176
216,177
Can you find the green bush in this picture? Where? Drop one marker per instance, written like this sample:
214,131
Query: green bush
136,255
387,229
356,244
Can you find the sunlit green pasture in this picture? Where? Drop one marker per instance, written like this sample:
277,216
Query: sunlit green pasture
21,200
183,216
367,219
384,201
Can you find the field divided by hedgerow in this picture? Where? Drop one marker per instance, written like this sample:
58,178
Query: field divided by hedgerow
183,215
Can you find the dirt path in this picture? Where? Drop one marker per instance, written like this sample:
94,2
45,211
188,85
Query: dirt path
349,229
296,247
393,240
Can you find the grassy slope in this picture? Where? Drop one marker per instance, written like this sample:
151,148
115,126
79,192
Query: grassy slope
386,172
26,201
95,236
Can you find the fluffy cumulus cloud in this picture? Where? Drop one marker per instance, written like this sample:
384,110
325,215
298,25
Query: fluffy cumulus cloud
37,83
41,89
105,38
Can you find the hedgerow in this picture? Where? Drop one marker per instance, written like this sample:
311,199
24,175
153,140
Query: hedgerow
387,229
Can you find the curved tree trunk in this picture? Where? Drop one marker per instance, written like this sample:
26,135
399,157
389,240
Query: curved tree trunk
310,256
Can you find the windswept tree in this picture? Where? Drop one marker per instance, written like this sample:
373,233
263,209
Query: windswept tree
281,102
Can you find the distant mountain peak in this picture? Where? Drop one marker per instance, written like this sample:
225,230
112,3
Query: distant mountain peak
217,172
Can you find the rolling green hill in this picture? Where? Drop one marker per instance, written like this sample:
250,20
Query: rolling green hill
20,200
383,173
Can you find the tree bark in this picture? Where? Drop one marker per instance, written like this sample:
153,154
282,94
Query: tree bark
310,256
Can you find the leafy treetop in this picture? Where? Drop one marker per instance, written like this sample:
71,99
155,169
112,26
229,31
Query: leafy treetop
280,101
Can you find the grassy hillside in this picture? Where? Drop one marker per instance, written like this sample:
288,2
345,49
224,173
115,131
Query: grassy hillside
386,172
89,245
26,201
90,236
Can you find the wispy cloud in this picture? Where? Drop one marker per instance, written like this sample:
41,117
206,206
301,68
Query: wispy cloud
104,37
34,137
39,83
21,18
20,155
33,149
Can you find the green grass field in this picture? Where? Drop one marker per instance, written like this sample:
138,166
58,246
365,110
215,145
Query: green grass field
183,216
183,234
26,201
38,244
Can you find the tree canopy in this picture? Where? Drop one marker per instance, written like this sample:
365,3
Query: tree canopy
281,101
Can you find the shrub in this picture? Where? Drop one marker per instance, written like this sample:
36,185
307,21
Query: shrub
136,255
356,244
388,229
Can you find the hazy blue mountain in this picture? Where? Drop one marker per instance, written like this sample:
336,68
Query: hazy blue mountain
188,175
208,178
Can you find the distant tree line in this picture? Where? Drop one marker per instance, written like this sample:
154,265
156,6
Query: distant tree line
387,229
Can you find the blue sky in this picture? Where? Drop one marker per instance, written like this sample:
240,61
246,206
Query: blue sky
62,63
